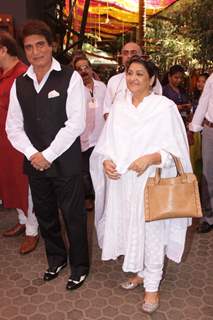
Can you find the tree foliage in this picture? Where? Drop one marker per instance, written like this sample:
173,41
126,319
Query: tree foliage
182,34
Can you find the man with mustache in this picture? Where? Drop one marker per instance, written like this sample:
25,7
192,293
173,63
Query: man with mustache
95,93
45,119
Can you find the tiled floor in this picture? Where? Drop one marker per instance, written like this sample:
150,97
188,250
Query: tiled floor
186,292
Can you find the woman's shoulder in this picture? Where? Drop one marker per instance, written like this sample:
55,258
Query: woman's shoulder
162,100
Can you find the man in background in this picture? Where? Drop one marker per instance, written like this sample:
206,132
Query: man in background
95,93
14,185
203,120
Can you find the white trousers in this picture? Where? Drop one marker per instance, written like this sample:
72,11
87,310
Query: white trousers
154,255
30,220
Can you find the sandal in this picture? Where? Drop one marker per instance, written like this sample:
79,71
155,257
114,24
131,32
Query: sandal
132,283
148,305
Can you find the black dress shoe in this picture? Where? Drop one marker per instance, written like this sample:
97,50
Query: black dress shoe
204,227
51,274
75,284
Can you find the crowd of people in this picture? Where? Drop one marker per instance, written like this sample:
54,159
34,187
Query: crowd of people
71,144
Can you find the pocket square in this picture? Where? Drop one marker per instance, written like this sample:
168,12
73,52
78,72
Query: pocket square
53,94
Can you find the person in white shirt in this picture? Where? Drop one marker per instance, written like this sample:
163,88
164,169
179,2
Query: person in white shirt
117,84
95,93
46,116
14,185
203,121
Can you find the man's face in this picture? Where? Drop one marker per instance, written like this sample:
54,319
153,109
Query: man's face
84,69
130,49
38,51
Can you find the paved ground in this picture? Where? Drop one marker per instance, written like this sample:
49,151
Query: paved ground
186,292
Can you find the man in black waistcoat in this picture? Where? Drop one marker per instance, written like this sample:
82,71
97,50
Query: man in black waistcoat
45,118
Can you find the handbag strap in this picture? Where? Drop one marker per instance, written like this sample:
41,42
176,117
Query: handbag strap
179,168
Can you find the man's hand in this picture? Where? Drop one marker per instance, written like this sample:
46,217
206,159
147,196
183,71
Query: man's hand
190,136
39,162
110,170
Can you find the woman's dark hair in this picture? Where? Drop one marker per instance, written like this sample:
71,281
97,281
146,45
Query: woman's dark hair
204,74
175,69
6,40
148,65
36,27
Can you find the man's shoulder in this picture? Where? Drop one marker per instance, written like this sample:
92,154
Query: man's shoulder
116,78
21,77
210,79
66,69
20,68
99,84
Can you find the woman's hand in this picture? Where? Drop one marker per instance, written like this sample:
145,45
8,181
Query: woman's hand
110,170
141,164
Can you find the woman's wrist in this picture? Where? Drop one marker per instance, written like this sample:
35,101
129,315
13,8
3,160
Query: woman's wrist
155,158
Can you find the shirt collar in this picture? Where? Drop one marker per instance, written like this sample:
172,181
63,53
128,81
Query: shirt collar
54,66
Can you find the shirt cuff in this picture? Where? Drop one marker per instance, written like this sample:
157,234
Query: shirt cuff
195,127
49,155
30,151
165,158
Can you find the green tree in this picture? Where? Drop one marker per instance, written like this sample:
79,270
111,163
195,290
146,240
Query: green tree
183,33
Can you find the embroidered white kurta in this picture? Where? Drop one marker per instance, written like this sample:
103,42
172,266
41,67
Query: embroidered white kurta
130,132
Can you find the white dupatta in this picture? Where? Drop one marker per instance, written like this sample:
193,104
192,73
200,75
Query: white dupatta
154,126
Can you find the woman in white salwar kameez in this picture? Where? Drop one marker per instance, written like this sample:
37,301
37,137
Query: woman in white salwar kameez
139,135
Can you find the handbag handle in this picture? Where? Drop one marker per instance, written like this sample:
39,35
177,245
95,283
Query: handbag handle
179,168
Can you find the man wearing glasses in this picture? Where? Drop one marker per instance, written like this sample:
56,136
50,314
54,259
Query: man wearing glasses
117,84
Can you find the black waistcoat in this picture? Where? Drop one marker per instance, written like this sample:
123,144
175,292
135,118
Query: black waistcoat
44,117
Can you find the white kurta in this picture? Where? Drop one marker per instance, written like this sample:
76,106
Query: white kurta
154,126
94,115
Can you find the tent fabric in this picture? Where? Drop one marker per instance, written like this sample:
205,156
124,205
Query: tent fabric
109,18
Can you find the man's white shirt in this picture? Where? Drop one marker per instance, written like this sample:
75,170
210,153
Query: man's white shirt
94,115
73,127
204,108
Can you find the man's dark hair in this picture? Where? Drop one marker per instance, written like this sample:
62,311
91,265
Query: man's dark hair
6,40
36,27
77,56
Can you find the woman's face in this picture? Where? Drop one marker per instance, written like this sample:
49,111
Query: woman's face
138,79
201,83
176,79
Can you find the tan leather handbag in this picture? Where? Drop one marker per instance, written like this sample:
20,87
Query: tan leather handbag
178,197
